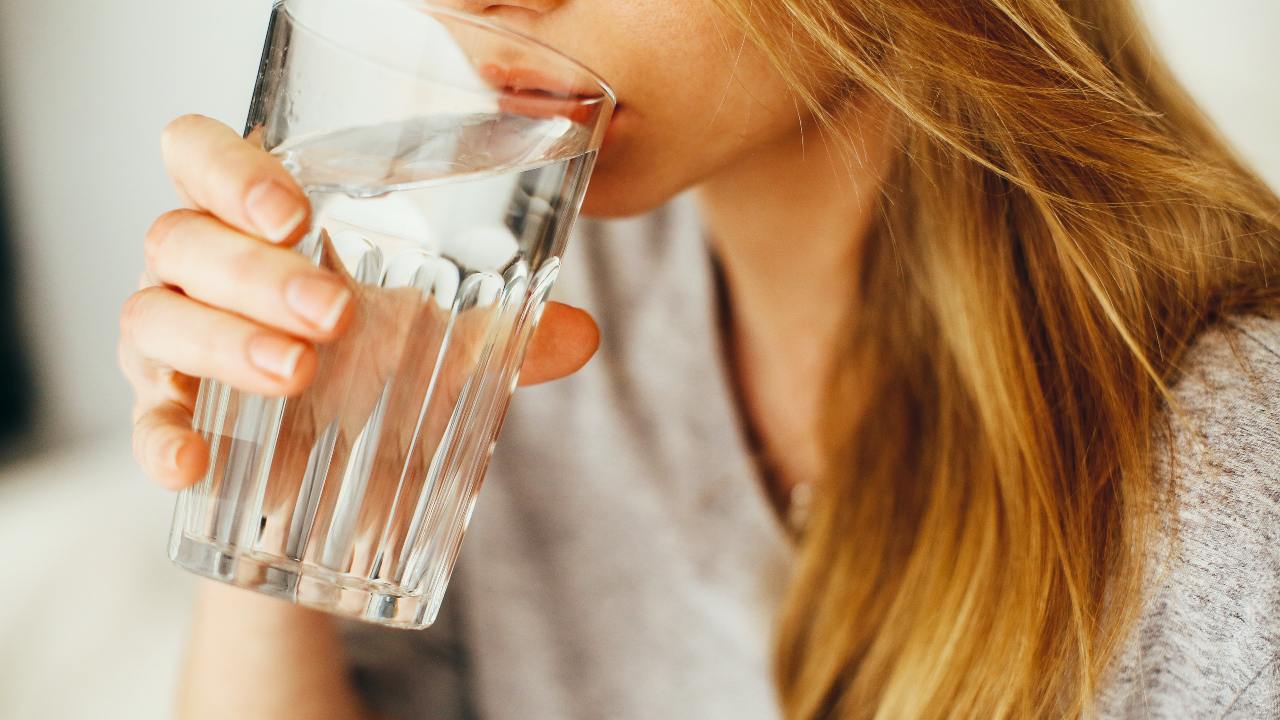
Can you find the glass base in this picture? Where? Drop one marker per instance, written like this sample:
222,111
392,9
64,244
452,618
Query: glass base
305,584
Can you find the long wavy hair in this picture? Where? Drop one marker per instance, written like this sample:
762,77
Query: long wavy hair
1059,224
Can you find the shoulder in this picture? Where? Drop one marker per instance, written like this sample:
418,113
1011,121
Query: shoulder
1228,391
1223,444
1207,643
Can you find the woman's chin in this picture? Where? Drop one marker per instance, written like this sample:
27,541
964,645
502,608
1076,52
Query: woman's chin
632,177
610,196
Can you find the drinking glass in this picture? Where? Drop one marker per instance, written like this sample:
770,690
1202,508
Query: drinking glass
445,159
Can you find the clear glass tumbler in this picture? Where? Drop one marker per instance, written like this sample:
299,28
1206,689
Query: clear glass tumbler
445,159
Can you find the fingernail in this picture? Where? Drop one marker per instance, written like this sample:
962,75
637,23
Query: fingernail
319,301
274,355
276,211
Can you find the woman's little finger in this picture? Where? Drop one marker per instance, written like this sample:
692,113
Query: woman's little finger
169,451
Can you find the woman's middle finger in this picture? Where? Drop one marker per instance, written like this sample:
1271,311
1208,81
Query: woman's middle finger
222,267
170,329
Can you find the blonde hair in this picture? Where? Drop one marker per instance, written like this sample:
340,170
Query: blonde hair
1059,225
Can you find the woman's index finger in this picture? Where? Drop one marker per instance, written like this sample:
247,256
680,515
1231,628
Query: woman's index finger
227,176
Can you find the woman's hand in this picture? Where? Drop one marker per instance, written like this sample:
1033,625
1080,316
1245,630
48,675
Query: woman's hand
224,297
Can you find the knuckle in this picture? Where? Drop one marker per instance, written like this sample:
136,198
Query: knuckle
140,436
133,314
130,313
177,127
157,238
126,360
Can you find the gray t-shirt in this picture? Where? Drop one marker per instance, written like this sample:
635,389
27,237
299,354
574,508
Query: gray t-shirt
625,563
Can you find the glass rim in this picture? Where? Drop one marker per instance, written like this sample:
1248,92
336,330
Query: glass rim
430,8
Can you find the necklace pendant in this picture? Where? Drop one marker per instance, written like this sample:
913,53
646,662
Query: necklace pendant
799,507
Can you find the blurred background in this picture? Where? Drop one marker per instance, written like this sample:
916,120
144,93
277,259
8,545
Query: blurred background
93,617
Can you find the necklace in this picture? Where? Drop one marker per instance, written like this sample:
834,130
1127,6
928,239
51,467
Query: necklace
793,506
800,507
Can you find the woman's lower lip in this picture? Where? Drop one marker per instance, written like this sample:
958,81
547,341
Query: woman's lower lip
530,82
535,105
536,94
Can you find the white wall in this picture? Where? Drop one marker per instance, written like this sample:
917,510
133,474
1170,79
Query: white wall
86,85
1228,53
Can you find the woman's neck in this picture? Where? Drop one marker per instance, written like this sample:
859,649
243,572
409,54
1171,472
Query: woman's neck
786,224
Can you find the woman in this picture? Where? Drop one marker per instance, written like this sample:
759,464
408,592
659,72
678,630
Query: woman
969,291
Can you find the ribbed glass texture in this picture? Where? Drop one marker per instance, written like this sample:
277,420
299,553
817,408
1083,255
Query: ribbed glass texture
443,184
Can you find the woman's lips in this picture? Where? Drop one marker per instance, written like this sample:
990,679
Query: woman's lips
523,81
528,92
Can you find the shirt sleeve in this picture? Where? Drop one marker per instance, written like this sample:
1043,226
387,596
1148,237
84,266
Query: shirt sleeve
1207,644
